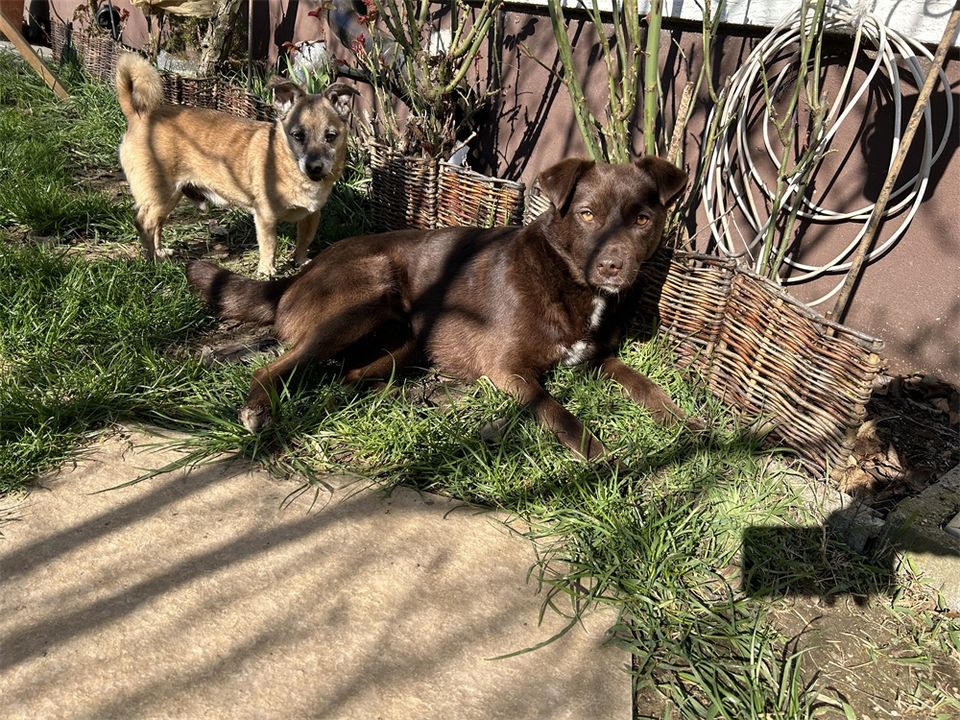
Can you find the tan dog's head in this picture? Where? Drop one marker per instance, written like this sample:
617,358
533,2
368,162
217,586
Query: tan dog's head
315,126
607,220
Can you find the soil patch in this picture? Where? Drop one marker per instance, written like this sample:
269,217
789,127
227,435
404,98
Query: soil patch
911,438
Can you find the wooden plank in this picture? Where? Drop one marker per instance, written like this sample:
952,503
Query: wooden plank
28,53
922,21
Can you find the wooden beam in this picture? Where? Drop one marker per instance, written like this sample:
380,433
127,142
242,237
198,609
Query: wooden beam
28,53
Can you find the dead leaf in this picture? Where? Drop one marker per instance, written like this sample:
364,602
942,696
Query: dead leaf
867,444
854,480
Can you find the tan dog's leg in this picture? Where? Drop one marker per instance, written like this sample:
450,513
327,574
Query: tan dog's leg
149,222
154,200
306,232
266,242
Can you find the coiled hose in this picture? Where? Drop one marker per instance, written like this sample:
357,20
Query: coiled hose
729,173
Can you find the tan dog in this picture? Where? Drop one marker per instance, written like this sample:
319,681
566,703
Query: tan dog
282,170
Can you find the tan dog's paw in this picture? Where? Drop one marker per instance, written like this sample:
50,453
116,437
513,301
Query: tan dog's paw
266,273
164,253
255,419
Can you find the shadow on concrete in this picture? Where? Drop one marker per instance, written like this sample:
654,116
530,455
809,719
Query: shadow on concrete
295,615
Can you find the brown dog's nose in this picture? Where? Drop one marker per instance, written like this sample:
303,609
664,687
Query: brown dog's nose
609,267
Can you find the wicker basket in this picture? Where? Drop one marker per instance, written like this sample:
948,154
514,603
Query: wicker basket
766,354
239,101
99,52
61,41
403,189
467,198
536,203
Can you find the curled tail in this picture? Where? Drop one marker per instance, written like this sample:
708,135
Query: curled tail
139,87
234,297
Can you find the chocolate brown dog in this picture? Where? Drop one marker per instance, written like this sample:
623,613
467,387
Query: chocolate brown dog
509,303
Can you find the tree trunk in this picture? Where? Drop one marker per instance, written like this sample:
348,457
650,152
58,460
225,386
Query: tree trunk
214,42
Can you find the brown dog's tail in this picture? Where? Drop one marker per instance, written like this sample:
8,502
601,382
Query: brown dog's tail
139,87
234,297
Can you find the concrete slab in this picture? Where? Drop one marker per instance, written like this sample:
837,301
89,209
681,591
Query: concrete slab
918,529
197,596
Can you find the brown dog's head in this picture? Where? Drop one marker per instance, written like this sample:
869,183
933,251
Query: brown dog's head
607,220
315,125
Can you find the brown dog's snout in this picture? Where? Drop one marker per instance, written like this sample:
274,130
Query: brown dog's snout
609,267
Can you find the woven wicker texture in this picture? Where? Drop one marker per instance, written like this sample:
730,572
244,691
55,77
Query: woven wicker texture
764,353
687,297
99,52
467,198
61,41
535,204
403,189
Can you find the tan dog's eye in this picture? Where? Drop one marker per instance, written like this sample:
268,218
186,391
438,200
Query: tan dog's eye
642,220
586,215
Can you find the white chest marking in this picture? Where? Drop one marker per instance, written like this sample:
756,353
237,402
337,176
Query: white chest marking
577,353
596,317
583,350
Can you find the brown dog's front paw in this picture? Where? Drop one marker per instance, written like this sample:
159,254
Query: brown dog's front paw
494,430
255,419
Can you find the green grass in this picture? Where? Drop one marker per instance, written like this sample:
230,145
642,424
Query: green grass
87,343
46,145
82,345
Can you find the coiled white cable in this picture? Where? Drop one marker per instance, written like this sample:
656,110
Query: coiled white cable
731,170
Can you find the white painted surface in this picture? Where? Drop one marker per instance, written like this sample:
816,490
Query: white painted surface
923,20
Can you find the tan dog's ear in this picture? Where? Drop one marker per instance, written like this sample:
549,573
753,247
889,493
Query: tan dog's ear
559,181
339,94
285,95
670,179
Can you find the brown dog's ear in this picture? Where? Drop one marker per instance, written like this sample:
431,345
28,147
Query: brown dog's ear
285,95
558,181
670,179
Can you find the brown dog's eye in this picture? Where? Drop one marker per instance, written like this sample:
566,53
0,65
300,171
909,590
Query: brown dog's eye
331,136
586,216
298,135
642,220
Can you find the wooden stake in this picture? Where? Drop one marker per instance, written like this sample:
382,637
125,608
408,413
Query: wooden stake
859,259
28,53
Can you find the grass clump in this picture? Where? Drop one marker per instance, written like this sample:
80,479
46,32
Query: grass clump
46,145
82,345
